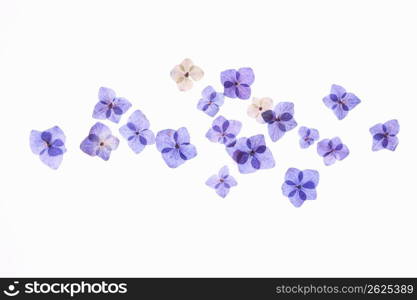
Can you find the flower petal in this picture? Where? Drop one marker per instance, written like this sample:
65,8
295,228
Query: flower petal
342,153
284,107
184,84
351,100
323,147
392,126
213,181
165,139
188,151
186,65
275,131
196,73
106,95
246,76
37,145
139,119
339,112
172,158
337,90
224,171
51,161
230,180
243,92
222,190
310,176
228,76
100,130
100,111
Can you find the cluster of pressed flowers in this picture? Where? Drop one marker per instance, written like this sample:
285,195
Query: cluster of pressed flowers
249,153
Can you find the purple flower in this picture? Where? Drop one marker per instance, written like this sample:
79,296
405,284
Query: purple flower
237,83
109,106
222,182
384,135
340,101
251,154
280,120
300,186
332,150
137,132
100,142
211,101
308,136
175,146
224,131
49,145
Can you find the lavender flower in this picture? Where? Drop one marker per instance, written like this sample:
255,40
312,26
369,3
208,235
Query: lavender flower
384,135
340,101
109,106
99,142
137,132
222,182
224,131
251,154
308,136
211,101
300,186
175,146
49,145
332,150
237,83
280,120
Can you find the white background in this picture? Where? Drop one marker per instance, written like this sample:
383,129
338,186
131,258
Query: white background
132,215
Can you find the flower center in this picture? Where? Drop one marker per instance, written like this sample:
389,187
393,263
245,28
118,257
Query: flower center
137,132
101,144
260,108
221,180
111,105
298,186
252,153
186,75
177,146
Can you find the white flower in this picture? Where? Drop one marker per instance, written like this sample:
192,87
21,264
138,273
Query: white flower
258,106
181,74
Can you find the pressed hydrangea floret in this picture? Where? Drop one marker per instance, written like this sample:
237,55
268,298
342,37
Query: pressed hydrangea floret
222,182
99,142
384,136
49,145
300,186
258,106
211,101
224,131
237,83
175,146
184,72
340,101
109,106
332,150
251,154
308,136
280,120
137,132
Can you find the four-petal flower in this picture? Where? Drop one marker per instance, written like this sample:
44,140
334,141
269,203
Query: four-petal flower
182,73
308,136
99,142
222,182
251,154
223,131
340,101
211,101
237,83
332,150
384,135
175,146
300,186
258,106
280,120
137,132
49,145
109,106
